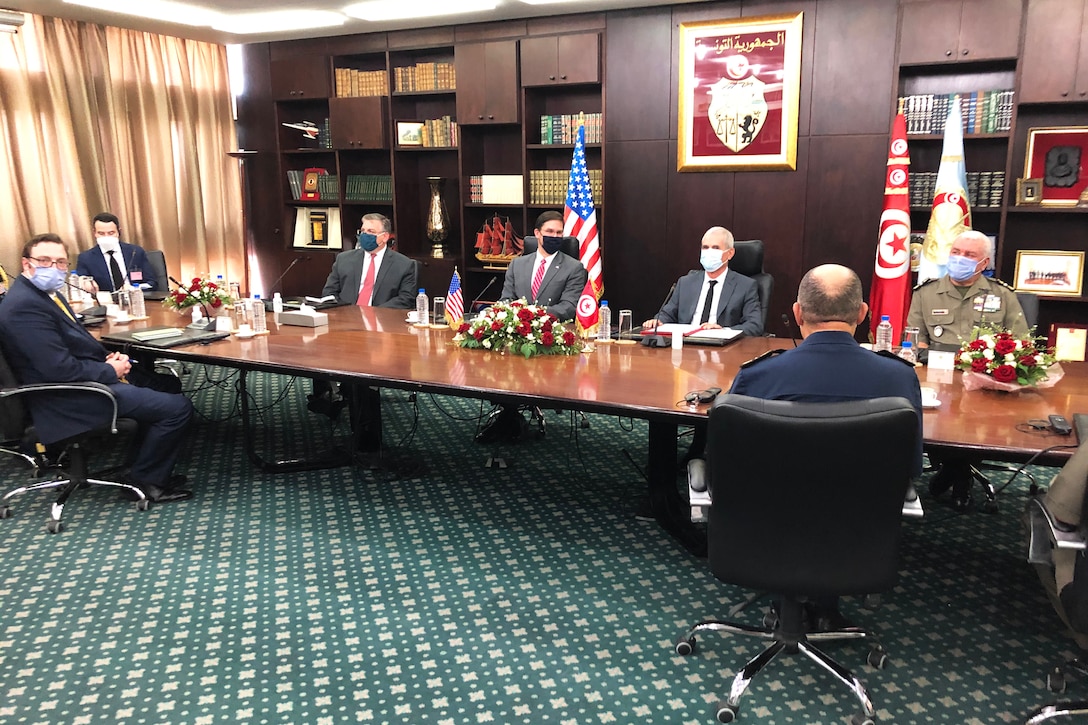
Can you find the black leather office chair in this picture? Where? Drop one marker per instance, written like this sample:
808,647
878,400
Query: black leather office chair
569,246
15,402
822,521
748,260
157,260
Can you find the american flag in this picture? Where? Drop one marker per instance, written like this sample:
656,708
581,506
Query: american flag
455,301
579,217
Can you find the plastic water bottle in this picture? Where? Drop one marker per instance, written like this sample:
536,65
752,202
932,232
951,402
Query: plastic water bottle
277,303
260,324
907,352
136,301
422,308
604,322
883,334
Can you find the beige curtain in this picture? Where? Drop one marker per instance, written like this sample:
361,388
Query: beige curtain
104,119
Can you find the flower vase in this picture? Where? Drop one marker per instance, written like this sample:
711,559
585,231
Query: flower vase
438,219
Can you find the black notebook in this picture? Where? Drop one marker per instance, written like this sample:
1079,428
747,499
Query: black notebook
165,337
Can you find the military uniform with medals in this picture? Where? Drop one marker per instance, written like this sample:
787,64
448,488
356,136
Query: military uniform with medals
946,316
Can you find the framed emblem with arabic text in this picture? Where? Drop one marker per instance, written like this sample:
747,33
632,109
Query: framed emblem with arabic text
739,87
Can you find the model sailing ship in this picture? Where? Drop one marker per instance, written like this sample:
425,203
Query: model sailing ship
497,244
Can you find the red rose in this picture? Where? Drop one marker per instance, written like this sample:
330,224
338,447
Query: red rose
1005,373
478,333
524,328
568,338
195,282
1028,361
525,315
1003,336
1004,347
547,326
217,302
180,297
496,325
463,328
547,339
212,287
541,312
978,365
979,344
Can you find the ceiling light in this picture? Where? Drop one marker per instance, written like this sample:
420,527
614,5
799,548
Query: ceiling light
547,2
278,21
171,12
376,10
11,21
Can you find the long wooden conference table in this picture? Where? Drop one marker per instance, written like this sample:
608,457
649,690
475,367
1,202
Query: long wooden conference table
378,347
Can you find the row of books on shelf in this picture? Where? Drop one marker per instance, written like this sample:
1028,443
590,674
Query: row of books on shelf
327,187
439,133
548,186
351,83
359,187
985,189
496,189
563,128
425,77
981,111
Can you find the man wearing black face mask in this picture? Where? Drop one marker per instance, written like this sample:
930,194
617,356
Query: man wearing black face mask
547,277
372,274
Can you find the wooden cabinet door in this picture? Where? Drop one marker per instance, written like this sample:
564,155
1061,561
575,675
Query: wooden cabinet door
990,29
1081,88
1052,49
358,123
300,78
487,82
538,61
929,32
549,61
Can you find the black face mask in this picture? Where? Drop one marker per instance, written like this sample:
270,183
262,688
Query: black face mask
551,245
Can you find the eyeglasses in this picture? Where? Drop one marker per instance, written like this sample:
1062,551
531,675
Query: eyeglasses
61,264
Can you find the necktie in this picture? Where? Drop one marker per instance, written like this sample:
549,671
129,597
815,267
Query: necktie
538,277
708,303
63,308
115,271
367,289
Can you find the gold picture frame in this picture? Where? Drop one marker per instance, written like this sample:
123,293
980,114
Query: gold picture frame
740,84
1057,272
409,133
1058,155
1029,192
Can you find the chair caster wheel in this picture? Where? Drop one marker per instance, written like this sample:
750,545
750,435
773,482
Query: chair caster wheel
54,527
5,512
685,646
770,620
1055,681
726,712
862,720
877,658
143,504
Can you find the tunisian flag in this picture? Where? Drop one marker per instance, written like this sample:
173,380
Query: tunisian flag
890,293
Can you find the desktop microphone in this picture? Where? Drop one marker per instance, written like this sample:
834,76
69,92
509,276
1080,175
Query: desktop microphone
188,292
472,307
786,322
279,279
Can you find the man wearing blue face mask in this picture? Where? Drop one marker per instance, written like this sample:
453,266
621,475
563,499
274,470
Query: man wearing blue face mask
713,296
372,274
547,278
45,344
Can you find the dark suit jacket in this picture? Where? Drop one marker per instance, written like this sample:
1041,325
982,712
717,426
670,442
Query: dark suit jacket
43,345
94,263
395,285
830,366
738,304
559,290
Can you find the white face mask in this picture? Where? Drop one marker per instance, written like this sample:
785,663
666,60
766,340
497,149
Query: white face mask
110,242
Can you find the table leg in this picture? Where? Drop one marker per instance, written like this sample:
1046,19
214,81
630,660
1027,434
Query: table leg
668,505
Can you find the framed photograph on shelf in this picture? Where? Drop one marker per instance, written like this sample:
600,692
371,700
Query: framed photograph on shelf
409,133
1029,192
1049,272
1069,340
1059,156
739,94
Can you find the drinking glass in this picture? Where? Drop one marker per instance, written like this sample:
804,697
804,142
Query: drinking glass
439,311
910,334
624,331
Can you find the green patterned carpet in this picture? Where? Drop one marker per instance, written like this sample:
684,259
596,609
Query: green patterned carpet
438,591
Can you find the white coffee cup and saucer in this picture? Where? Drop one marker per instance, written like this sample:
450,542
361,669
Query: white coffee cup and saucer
413,317
929,398
244,332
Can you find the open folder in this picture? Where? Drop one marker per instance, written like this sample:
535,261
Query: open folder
695,333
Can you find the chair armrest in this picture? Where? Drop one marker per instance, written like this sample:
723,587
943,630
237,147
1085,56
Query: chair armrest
1041,517
86,387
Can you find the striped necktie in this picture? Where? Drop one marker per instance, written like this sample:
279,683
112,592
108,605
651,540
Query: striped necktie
538,277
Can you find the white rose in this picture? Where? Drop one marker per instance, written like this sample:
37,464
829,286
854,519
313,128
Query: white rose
487,342
988,353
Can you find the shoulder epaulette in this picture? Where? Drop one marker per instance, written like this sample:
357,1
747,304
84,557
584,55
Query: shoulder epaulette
892,356
920,285
760,358
1003,283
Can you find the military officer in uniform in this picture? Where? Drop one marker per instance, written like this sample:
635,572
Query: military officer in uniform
947,310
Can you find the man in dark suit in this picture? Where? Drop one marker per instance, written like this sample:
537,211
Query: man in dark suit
45,344
830,366
549,278
112,262
714,297
388,277
561,278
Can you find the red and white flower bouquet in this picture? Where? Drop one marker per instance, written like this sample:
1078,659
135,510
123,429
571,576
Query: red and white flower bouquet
996,360
518,328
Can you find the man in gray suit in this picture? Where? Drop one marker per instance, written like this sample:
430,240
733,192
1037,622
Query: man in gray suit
561,278
714,297
388,276
548,278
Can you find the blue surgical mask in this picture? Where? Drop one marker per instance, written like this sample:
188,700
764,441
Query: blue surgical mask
48,279
551,244
711,259
961,268
368,242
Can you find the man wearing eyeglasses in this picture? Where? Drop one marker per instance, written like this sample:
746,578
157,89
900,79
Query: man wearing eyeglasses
44,343
113,263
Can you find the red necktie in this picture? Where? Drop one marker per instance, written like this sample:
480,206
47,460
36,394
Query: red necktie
368,285
538,277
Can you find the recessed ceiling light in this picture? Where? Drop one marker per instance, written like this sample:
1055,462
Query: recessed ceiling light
376,10
548,2
275,21
171,12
